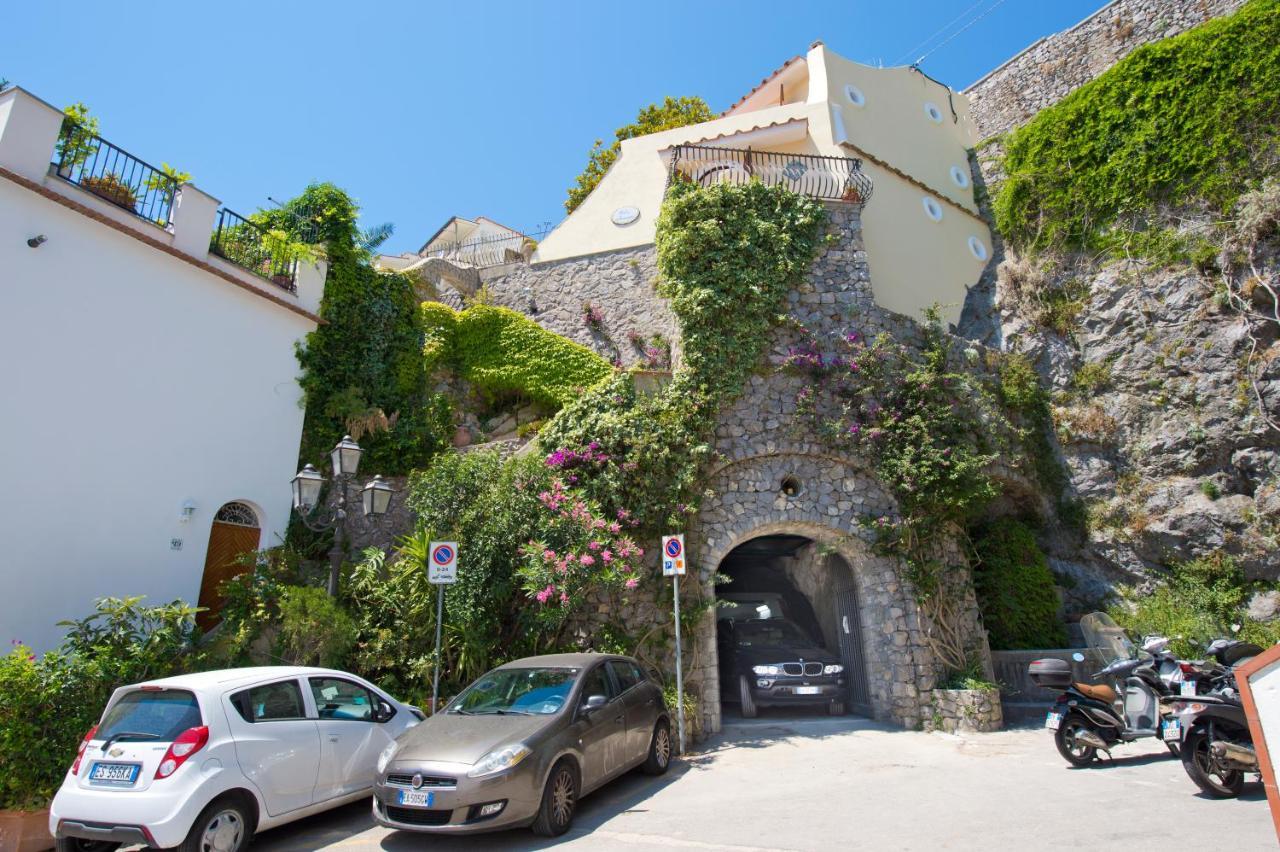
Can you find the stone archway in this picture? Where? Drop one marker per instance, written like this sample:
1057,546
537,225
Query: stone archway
823,498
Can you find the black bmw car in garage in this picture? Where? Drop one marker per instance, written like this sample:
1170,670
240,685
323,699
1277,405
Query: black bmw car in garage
772,663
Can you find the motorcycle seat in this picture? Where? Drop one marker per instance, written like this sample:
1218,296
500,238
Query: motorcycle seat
1099,692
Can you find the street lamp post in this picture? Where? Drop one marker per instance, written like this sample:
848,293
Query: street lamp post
307,485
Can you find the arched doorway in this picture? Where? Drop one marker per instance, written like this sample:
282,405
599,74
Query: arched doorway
236,530
780,593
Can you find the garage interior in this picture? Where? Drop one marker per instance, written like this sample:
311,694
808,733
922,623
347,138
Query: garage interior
818,593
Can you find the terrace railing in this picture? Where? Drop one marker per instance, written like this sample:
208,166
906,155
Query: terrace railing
829,178
256,249
115,175
491,251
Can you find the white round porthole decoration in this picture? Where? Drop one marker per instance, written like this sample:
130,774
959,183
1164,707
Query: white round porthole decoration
932,208
625,215
960,177
978,248
855,96
935,114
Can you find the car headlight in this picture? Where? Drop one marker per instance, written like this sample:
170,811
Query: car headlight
385,758
834,669
765,670
499,760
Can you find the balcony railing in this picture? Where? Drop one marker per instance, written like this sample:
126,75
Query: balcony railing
256,249
829,178
115,175
491,251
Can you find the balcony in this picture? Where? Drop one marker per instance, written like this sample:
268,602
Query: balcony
268,254
114,175
826,178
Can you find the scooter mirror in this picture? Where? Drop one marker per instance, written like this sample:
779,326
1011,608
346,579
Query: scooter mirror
1078,657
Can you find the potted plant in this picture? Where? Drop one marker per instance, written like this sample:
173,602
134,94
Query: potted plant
966,701
110,187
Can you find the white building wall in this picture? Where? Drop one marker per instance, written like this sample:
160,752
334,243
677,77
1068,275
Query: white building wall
132,382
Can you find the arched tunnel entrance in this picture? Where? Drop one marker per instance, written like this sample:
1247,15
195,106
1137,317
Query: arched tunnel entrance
788,630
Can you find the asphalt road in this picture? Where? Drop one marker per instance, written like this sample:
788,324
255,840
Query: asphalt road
774,783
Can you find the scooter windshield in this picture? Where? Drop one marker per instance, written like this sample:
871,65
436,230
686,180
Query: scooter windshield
1103,634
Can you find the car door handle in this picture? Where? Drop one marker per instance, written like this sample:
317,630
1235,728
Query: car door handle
333,739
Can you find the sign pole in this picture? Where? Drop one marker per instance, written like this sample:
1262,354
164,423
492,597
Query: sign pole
673,565
675,585
435,679
442,569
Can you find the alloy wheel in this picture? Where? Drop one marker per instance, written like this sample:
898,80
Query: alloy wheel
223,833
662,746
562,797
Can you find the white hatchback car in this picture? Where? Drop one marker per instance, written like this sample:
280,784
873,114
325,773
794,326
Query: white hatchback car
202,761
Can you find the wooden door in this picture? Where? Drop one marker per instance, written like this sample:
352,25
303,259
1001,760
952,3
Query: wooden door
226,543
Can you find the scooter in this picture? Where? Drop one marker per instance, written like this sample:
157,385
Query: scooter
1087,719
1217,748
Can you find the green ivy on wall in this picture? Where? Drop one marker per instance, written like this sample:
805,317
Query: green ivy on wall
1188,120
362,369
500,350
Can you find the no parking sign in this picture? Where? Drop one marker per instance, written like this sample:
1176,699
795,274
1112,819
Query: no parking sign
442,564
673,555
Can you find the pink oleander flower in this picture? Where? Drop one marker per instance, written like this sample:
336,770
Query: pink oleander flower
548,555
607,556
631,583
595,545
544,595
615,527
564,597
587,559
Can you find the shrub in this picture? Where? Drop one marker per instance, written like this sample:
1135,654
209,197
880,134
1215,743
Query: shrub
1015,588
1187,119
48,703
314,629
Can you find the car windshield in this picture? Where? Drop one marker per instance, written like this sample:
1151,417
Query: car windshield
150,715
773,633
532,691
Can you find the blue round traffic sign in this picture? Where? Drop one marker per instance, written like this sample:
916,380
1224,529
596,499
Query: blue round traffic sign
442,555
673,548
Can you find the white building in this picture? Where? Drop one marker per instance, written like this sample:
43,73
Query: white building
151,413
479,242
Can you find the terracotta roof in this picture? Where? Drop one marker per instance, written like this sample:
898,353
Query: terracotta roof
729,133
763,83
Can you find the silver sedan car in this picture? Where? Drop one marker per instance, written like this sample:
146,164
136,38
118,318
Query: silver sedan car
522,744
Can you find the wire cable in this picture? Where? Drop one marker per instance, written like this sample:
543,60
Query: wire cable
912,52
952,37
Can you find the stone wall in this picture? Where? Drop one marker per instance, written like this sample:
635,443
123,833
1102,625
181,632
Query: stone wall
1056,65
620,283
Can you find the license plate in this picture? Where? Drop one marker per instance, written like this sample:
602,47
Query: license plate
1171,730
1053,721
416,798
808,690
1187,687
118,774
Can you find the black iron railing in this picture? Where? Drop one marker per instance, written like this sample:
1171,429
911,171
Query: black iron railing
830,178
115,175
262,252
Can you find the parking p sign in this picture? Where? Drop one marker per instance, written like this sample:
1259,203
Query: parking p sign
442,563
672,555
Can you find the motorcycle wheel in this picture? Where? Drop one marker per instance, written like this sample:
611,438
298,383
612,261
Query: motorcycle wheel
1203,769
1075,752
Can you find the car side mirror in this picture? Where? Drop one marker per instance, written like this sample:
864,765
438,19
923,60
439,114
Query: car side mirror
383,712
593,703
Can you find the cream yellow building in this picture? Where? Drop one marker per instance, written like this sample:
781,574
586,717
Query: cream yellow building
925,241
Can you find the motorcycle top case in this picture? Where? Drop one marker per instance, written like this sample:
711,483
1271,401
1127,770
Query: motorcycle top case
1050,673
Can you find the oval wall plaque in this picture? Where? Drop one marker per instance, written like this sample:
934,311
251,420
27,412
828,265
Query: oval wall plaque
626,215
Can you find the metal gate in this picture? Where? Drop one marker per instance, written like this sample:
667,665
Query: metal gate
849,629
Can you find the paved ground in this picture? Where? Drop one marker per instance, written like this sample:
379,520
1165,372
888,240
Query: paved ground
839,784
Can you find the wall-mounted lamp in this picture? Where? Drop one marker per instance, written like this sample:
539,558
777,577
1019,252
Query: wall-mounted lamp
37,241
187,511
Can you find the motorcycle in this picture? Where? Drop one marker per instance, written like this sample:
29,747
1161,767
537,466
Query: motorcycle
1091,718
1217,748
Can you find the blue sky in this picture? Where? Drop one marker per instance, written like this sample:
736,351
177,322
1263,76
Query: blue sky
424,110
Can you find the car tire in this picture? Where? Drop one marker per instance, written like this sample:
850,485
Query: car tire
78,844
659,759
225,825
835,708
748,703
559,801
